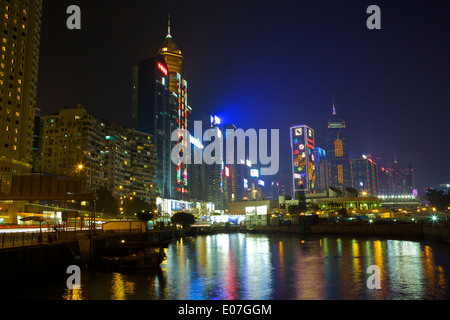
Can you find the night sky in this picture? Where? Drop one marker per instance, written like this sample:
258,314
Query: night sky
270,65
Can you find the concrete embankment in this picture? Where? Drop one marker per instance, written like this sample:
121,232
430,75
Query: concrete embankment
53,259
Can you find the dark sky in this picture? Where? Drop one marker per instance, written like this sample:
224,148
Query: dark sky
270,65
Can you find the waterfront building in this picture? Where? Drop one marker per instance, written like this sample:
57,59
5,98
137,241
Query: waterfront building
214,173
151,115
196,178
323,170
73,145
160,106
303,159
117,159
364,176
257,212
143,165
400,181
182,125
337,151
20,30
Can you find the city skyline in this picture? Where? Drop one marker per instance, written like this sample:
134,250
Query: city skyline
293,62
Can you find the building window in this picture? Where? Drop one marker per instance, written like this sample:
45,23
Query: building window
338,149
340,174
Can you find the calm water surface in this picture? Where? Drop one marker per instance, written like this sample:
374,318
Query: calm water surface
273,267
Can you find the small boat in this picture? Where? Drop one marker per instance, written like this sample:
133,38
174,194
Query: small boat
251,230
150,257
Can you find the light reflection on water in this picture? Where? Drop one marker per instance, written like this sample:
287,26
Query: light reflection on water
279,267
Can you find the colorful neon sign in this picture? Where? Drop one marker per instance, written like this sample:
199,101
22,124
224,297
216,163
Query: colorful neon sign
163,69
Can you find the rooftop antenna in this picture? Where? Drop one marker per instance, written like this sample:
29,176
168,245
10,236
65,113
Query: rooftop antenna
168,32
334,108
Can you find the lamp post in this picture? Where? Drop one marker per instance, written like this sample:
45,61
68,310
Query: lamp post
81,167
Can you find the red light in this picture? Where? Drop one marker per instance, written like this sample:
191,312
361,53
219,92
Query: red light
163,69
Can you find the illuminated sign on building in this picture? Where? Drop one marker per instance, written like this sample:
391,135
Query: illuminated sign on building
227,172
182,122
215,120
163,69
303,161
261,183
254,173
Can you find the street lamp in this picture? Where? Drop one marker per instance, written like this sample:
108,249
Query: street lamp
80,168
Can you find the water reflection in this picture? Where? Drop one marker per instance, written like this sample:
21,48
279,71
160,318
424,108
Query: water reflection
263,267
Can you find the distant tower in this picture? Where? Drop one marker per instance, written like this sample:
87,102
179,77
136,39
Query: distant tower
337,152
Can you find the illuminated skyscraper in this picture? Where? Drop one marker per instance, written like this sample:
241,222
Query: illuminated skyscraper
303,160
364,176
174,59
182,125
323,170
152,115
20,30
337,152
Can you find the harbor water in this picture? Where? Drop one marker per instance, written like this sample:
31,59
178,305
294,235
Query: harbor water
242,266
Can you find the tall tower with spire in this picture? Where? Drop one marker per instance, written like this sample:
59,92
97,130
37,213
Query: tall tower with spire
174,58
337,152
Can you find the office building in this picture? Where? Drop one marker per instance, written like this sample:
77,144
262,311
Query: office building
151,115
20,30
364,176
174,60
338,152
323,170
303,160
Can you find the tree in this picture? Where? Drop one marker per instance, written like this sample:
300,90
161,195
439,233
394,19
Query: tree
106,203
438,199
145,217
134,205
184,218
342,212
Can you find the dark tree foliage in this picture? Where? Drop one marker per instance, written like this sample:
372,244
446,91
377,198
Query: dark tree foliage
184,218
438,199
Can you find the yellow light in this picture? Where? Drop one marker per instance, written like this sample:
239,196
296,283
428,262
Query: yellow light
80,166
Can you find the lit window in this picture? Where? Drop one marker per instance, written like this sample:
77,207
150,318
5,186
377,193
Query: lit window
340,174
338,149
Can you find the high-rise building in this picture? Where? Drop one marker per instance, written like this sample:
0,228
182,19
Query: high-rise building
143,165
174,59
151,115
364,176
399,178
338,153
214,173
385,185
73,145
20,30
160,107
303,160
182,125
117,159
323,170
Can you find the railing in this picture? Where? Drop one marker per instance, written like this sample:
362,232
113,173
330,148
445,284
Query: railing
20,239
